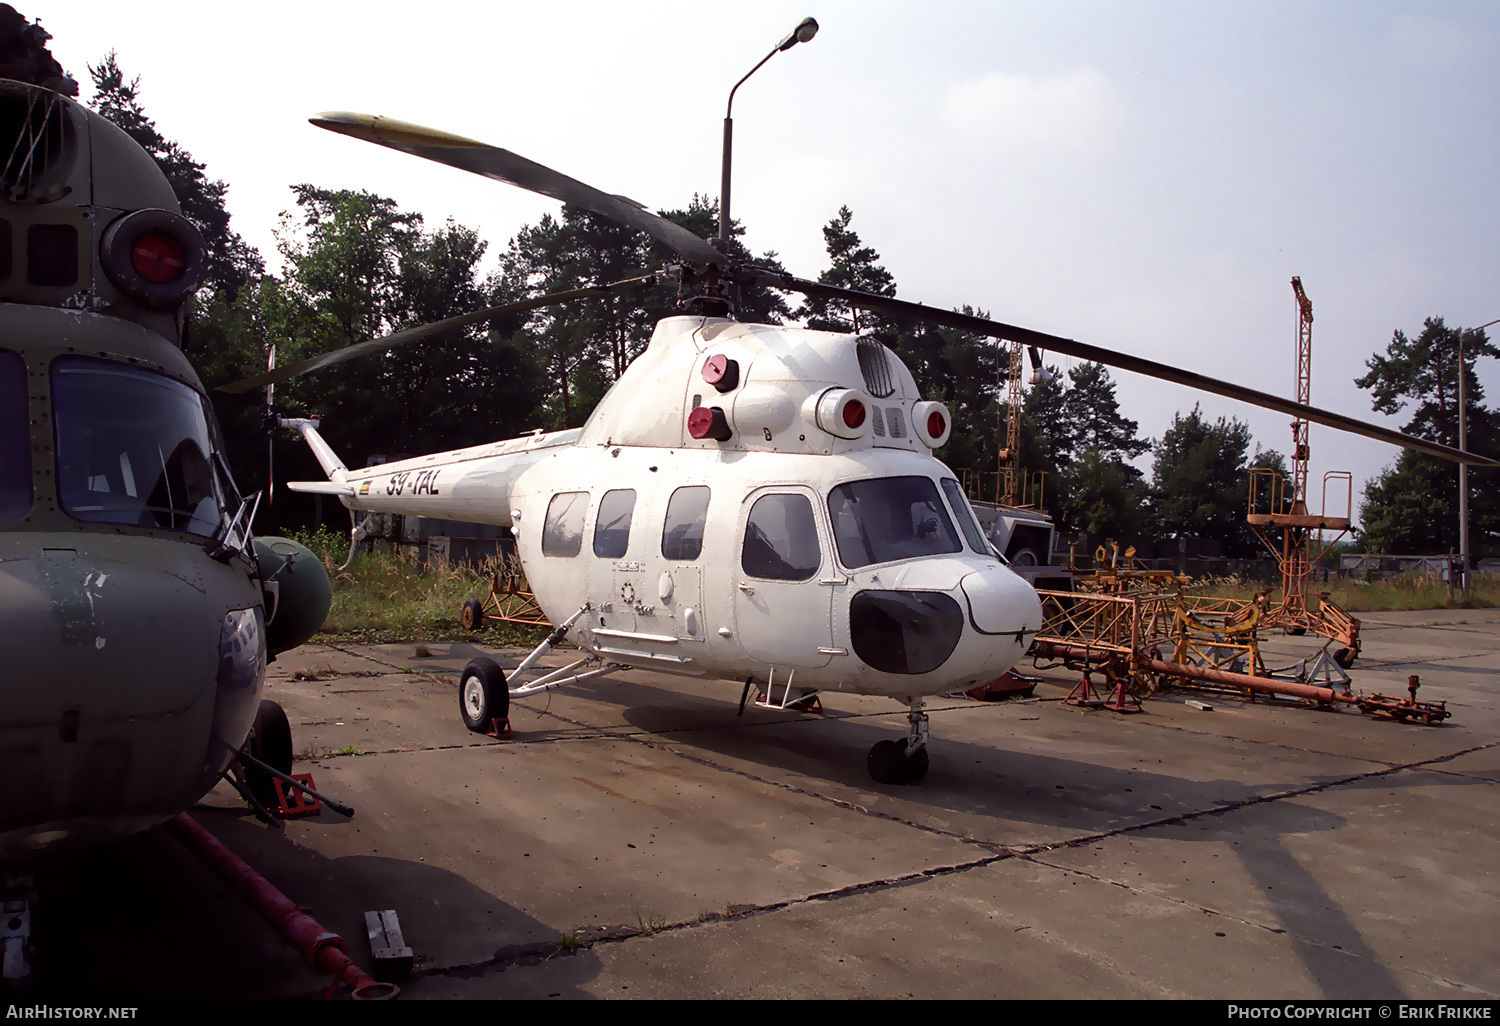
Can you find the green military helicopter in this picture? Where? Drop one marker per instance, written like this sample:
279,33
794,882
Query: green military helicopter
137,612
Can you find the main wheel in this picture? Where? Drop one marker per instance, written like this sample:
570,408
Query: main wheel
271,743
471,616
887,762
1344,657
483,695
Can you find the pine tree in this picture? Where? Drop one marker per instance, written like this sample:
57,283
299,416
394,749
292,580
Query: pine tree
851,266
1411,507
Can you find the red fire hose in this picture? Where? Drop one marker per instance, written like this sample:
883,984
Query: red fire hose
325,951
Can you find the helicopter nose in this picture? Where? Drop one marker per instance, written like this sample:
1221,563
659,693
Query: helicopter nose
1001,603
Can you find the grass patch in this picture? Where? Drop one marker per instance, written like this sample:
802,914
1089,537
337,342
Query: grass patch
1408,591
389,598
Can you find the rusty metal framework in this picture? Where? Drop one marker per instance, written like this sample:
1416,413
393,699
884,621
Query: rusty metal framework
1110,575
509,601
1010,455
1213,642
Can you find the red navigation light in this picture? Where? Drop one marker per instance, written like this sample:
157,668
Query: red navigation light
935,424
709,422
157,258
854,414
721,372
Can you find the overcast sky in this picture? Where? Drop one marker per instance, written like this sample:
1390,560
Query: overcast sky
1142,176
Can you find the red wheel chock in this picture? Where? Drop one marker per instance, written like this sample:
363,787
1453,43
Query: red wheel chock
292,802
500,729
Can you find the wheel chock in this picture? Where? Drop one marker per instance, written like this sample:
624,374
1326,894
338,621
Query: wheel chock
499,729
292,802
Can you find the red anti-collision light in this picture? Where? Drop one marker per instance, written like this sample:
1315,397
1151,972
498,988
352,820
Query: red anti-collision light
854,414
935,425
157,258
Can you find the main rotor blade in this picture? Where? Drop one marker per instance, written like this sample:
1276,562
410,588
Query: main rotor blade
514,169
1094,354
375,345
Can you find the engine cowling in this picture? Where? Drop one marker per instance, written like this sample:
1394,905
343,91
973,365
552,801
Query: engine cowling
298,592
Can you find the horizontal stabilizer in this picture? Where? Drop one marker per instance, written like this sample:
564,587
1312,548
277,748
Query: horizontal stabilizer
322,487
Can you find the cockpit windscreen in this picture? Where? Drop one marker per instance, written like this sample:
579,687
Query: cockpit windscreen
890,518
133,447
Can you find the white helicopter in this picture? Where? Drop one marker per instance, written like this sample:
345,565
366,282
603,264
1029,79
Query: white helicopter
749,502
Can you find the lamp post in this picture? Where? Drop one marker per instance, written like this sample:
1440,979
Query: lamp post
805,30
1463,468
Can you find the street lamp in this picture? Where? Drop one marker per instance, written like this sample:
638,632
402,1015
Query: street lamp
1463,468
805,30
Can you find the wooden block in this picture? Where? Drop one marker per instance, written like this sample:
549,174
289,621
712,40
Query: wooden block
1199,705
393,959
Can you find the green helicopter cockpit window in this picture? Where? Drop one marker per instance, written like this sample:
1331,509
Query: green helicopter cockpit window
15,438
889,518
134,447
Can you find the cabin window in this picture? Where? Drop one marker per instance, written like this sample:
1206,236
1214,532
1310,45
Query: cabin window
682,532
781,539
889,518
134,447
612,529
15,438
965,516
562,534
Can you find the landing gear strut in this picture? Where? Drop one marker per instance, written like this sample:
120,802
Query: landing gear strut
902,760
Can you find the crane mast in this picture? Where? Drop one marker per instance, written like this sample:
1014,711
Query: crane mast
1301,542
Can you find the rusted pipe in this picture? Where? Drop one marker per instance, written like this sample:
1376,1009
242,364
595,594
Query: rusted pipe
1244,680
324,950
1052,650
1239,680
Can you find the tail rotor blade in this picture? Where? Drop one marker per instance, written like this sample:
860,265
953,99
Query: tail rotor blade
270,432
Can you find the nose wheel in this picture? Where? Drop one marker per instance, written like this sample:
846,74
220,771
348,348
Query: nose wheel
902,760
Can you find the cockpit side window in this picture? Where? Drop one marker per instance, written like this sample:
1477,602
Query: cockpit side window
562,533
781,539
964,513
612,529
889,518
15,438
682,530
134,447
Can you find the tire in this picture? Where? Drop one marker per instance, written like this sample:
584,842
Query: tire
483,695
916,765
1024,557
887,762
1296,632
1344,657
471,615
271,743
